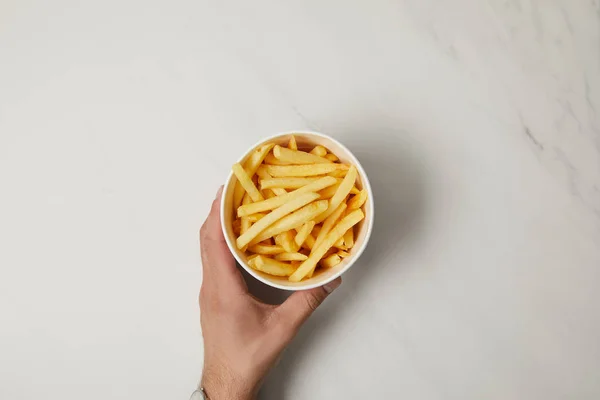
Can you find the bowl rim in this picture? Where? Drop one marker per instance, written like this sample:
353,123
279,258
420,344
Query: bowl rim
365,182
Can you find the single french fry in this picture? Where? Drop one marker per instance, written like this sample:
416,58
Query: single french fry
319,151
275,216
286,183
340,243
282,171
331,261
358,200
333,236
330,222
246,223
266,249
349,238
278,201
331,157
340,194
250,166
255,217
286,240
279,191
246,182
304,232
354,190
297,157
270,159
292,145
290,257
272,267
343,254
291,221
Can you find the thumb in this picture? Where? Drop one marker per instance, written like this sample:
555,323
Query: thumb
300,305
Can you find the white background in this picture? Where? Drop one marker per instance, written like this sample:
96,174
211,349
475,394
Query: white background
477,122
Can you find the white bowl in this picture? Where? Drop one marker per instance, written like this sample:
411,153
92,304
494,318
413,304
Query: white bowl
363,229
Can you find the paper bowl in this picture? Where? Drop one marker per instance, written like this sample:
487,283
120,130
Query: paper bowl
305,140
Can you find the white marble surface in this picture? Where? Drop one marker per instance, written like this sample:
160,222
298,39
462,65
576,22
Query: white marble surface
477,121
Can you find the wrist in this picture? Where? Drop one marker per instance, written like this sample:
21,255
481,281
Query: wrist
220,384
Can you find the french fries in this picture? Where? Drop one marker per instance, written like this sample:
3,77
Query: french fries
281,171
246,181
295,209
340,194
250,166
331,261
304,232
274,216
297,157
278,201
272,267
286,183
318,252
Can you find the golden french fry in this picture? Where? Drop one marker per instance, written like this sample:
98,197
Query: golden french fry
246,224
281,171
331,157
270,159
250,166
286,183
286,240
246,182
354,190
333,236
319,151
330,222
278,201
343,254
255,217
291,221
304,232
340,243
349,238
274,216
331,261
358,200
266,249
290,257
292,145
340,195
272,267
297,157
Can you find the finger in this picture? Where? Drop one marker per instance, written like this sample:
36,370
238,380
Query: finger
300,305
218,265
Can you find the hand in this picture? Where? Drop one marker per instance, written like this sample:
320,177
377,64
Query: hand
243,337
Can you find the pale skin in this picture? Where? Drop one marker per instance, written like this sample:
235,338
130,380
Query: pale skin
243,337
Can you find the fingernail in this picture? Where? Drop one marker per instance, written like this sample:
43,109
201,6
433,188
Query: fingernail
331,286
219,192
